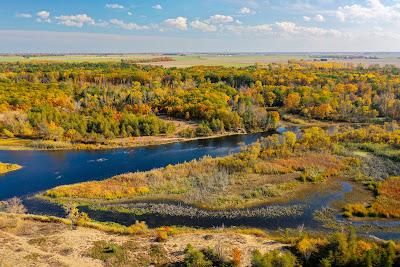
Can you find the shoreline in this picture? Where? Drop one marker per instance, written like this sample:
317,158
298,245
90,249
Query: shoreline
159,140
20,144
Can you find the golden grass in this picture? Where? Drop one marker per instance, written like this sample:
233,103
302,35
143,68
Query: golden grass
7,167
204,183
386,204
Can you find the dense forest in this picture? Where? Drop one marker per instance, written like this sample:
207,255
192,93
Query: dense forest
96,101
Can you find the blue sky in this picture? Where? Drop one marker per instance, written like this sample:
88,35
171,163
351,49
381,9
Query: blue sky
199,26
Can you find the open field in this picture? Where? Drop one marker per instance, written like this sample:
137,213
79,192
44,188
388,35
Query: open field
229,60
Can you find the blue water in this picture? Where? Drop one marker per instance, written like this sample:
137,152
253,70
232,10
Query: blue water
43,170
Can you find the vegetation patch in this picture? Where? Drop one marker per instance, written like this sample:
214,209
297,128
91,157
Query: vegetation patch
110,253
386,203
7,167
272,169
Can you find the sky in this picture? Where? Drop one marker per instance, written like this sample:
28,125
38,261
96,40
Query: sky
132,26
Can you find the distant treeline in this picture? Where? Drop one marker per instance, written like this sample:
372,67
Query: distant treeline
148,60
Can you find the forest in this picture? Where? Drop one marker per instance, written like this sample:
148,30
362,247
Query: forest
91,102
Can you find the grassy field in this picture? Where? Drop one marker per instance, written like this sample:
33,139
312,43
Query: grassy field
188,60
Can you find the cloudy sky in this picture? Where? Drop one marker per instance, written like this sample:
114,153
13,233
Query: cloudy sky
199,25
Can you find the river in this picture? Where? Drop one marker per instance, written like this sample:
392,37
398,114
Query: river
43,170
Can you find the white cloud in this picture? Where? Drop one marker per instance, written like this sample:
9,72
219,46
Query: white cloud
245,11
373,10
158,7
43,16
75,20
128,25
220,19
179,23
129,13
203,26
319,18
306,18
288,28
261,28
114,6
23,15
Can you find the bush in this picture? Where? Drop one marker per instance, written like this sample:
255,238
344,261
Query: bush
203,130
195,258
138,228
162,236
204,258
7,133
187,133
313,175
111,253
274,258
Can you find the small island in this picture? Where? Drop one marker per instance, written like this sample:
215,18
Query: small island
8,167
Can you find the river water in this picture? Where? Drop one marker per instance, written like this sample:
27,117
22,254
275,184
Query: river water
43,170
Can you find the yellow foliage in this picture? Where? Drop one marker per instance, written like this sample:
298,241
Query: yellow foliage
7,167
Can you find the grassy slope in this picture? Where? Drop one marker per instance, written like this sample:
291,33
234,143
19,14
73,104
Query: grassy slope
29,242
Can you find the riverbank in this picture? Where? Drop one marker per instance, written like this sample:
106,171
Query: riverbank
8,167
17,144
288,121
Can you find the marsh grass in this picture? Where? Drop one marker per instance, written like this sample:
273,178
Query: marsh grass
386,203
212,183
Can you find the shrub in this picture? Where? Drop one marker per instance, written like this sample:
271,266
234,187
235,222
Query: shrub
7,133
203,130
111,253
274,258
138,228
236,256
162,236
195,258
313,175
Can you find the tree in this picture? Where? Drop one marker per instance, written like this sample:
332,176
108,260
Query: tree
290,139
307,246
292,101
15,205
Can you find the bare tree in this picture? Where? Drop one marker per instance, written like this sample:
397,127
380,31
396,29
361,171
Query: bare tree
72,213
15,205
